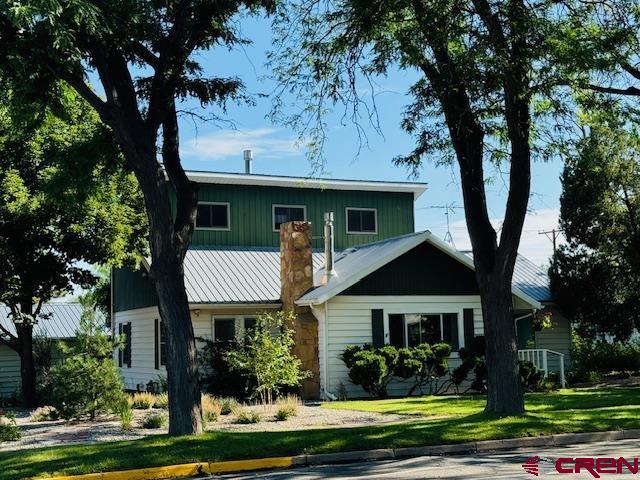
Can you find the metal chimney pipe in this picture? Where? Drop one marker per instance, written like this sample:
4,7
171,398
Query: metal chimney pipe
248,159
329,270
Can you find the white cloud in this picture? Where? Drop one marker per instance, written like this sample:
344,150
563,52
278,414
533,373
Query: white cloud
265,142
535,246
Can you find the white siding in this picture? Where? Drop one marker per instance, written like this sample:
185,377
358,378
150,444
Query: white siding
143,343
348,322
9,372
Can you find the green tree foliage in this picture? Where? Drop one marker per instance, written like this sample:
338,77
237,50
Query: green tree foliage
65,201
596,274
374,368
267,356
88,382
481,66
146,56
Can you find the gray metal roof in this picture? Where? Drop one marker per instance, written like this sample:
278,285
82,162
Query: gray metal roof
529,282
235,274
62,322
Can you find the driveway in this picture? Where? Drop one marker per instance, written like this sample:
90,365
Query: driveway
507,465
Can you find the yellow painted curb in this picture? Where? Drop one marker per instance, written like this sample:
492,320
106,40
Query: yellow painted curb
185,470
257,464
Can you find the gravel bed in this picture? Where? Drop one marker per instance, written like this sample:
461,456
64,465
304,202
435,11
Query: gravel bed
107,428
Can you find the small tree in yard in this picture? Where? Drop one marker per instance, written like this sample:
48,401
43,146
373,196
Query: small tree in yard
267,356
87,382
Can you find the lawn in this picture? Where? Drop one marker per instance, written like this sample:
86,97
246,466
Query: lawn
566,411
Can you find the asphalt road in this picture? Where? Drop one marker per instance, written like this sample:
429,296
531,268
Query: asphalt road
507,465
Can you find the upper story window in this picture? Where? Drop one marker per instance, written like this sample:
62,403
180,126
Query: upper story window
288,213
213,216
362,220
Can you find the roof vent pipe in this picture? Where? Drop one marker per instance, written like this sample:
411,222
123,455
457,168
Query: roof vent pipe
328,248
248,159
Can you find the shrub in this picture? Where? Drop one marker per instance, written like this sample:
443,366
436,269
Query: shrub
217,376
125,413
287,407
157,386
245,416
44,414
590,359
211,409
155,421
267,357
161,401
143,400
9,430
87,382
227,404
374,368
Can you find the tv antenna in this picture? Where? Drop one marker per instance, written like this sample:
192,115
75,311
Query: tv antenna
449,209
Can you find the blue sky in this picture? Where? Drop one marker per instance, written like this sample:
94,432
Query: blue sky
217,147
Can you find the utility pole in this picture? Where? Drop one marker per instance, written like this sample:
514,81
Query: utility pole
553,236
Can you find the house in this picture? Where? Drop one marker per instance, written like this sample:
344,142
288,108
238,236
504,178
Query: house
59,321
343,254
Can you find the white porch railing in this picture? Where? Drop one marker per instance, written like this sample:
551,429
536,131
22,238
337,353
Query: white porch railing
540,358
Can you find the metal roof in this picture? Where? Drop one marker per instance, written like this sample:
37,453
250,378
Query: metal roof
241,275
63,321
225,178
352,265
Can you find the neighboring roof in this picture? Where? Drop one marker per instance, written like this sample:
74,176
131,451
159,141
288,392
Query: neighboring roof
224,178
241,275
353,264
63,322
528,278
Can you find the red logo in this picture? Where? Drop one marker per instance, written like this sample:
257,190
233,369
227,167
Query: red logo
530,465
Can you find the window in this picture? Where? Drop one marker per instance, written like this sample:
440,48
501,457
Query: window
288,213
249,325
362,220
411,330
124,353
212,216
224,329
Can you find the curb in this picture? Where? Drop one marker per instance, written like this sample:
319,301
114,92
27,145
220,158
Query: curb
214,468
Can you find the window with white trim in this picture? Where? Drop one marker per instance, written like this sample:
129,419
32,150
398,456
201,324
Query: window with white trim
411,330
212,216
227,328
362,220
287,213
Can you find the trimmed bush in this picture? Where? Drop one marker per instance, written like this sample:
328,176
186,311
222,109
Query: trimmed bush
591,359
143,400
9,429
155,421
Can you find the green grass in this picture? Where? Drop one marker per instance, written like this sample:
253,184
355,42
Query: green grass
567,411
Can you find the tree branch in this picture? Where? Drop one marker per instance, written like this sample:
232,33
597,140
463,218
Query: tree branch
629,91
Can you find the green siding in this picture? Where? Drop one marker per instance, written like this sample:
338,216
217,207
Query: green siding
423,270
251,214
132,289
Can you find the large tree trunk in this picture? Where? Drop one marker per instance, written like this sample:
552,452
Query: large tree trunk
185,416
505,395
27,366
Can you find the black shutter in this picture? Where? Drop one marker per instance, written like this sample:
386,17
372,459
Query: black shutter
156,344
377,327
468,327
127,345
450,333
396,330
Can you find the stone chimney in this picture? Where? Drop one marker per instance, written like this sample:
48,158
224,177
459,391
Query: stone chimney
296,277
